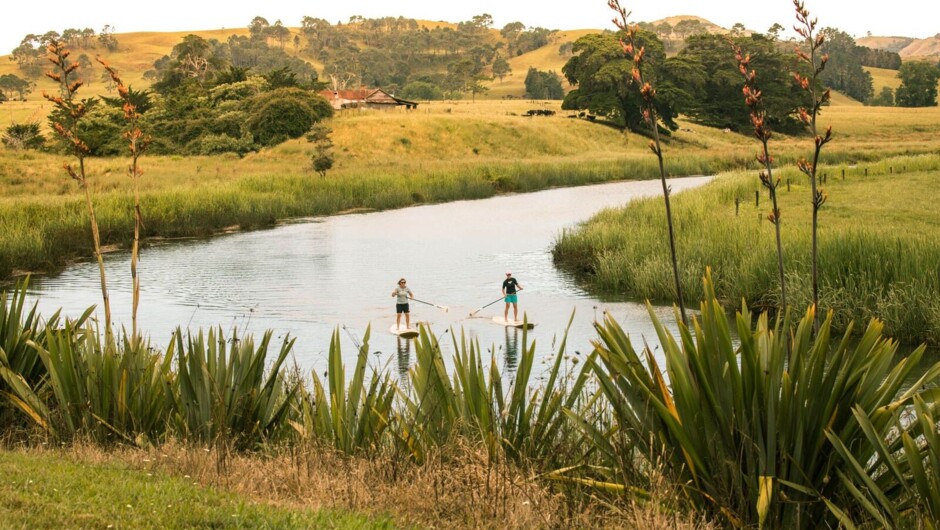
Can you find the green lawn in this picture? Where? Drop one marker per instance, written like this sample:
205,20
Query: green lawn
49,491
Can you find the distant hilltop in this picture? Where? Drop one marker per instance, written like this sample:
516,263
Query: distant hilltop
906,47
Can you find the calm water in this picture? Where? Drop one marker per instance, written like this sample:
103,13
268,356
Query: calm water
312,276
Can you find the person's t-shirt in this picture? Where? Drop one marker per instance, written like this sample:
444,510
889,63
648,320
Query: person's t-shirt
403,293
509,285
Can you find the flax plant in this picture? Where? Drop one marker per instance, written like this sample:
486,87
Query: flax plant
527,425
753,98
747,433
898,482
347,414
137,143
103,391
810,84
65,123
222,391
636,53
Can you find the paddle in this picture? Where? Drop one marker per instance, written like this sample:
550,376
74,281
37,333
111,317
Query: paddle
489,304
444,307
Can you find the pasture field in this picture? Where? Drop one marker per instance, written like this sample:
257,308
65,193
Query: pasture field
439,152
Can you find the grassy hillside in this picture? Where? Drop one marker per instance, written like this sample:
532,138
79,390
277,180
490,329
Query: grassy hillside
882,77
906,47
545,58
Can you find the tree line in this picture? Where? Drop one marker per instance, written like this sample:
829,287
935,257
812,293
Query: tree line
702,82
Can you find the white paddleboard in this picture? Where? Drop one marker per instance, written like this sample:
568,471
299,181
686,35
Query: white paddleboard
514,323
407,333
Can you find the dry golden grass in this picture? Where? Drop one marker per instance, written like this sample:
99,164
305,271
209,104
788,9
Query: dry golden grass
545,58
882,77
461,489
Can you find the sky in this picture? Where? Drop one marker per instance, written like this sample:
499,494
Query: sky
909,18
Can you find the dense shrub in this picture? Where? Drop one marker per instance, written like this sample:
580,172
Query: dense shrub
421,90
287,112
24,136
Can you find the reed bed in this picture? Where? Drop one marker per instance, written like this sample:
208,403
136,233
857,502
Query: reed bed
877,258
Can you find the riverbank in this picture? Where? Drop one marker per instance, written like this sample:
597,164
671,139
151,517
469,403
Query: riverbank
878,251
83,487
450,151
592,439
179,487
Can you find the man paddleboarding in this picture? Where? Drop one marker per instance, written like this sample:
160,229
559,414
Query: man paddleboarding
510,288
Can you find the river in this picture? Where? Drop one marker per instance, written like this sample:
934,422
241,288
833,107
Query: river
308,277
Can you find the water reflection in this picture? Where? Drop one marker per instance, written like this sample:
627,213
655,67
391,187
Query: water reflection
511,355
404,358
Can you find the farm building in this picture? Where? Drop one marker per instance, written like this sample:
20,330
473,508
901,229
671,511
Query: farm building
370,98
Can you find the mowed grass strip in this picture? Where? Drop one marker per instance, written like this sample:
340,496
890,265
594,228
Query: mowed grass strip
55,491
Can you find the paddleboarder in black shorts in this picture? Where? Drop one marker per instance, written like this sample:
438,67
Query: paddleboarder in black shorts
403,293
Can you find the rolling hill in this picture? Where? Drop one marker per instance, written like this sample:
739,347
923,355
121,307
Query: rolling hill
906,47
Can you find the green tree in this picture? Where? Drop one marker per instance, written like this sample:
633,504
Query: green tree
543,85
844,70
280,33
107,39
918,84
285,113
716,91
322,157
422,90
511,33
14,86
687,27
28,56
885,98
24,136
501,68
258,29
603,75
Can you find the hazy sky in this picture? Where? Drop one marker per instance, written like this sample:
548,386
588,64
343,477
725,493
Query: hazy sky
911,18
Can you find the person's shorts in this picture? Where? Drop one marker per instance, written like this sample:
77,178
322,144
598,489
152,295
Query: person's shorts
512,298
401,308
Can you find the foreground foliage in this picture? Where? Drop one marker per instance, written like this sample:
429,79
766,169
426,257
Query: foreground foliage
745,431
842,433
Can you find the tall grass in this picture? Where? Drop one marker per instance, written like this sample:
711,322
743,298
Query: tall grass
346,413
878,257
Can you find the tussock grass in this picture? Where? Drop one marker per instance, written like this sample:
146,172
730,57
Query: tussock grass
877,257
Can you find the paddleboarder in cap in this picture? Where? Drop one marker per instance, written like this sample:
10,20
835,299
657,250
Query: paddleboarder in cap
403,293
510,287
